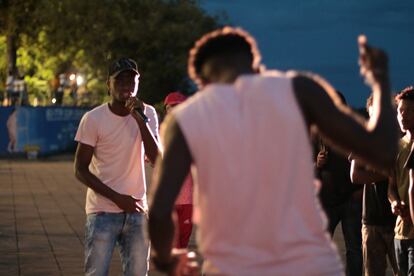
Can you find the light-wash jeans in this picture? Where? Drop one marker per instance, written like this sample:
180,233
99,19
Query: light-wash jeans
104,230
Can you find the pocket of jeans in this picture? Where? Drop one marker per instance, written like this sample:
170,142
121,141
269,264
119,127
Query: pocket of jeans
97,221
101,225
90,221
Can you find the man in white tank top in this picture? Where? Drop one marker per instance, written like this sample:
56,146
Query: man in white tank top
246,137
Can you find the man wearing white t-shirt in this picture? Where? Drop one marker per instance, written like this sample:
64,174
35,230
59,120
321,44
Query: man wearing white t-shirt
246,136
112,141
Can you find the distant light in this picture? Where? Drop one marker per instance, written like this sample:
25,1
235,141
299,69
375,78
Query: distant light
72,77
35,102
53,100
79,80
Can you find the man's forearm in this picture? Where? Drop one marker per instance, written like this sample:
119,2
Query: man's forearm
161,231
91,181
150,144
411,195
392,192
361,175
385,123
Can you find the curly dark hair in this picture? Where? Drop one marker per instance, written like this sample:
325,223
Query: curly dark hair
221,43
405,94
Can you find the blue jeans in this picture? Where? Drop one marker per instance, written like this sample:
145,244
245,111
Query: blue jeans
404,252
104,230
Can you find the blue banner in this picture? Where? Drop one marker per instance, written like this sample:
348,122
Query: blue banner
44,130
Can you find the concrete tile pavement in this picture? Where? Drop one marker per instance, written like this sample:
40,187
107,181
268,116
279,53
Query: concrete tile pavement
42,219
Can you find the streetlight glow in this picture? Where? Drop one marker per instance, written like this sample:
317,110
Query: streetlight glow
79,80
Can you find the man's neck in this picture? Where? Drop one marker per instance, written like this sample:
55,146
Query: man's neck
231,76
118,108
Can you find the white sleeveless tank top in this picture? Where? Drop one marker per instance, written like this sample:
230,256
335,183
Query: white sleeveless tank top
259,214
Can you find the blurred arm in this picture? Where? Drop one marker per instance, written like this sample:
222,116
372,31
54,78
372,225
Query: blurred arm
170,172
343,128
361,175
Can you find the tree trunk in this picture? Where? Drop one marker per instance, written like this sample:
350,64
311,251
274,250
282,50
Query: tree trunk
11,53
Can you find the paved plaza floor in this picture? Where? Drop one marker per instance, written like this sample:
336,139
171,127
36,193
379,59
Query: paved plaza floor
42,219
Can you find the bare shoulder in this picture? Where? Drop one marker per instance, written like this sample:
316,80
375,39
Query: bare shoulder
314,94
170,129
308,85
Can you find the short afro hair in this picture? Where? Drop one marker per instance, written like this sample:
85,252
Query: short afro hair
221,42
406,94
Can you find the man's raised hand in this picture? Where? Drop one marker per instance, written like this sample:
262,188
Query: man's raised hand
373,63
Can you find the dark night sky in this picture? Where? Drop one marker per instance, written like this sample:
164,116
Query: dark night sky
320,35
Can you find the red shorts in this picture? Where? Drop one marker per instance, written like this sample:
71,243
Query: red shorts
185,224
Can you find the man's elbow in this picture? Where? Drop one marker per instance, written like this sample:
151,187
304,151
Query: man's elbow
80,172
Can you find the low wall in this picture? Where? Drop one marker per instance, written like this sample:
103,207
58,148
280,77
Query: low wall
44,130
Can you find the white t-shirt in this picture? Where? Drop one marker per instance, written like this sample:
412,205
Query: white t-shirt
259,214
118,159
151,114
153,124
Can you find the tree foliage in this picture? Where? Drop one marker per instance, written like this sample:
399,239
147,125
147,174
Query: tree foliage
61,36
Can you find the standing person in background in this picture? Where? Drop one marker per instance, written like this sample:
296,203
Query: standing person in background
246,137
10,87
341,201
112,141
377,218
398,189
59,93
18,84
23,93
74,91
184,202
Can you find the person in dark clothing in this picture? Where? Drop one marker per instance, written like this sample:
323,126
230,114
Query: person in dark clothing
341,201
377,218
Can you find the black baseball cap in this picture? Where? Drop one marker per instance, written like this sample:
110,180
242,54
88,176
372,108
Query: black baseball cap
122,64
